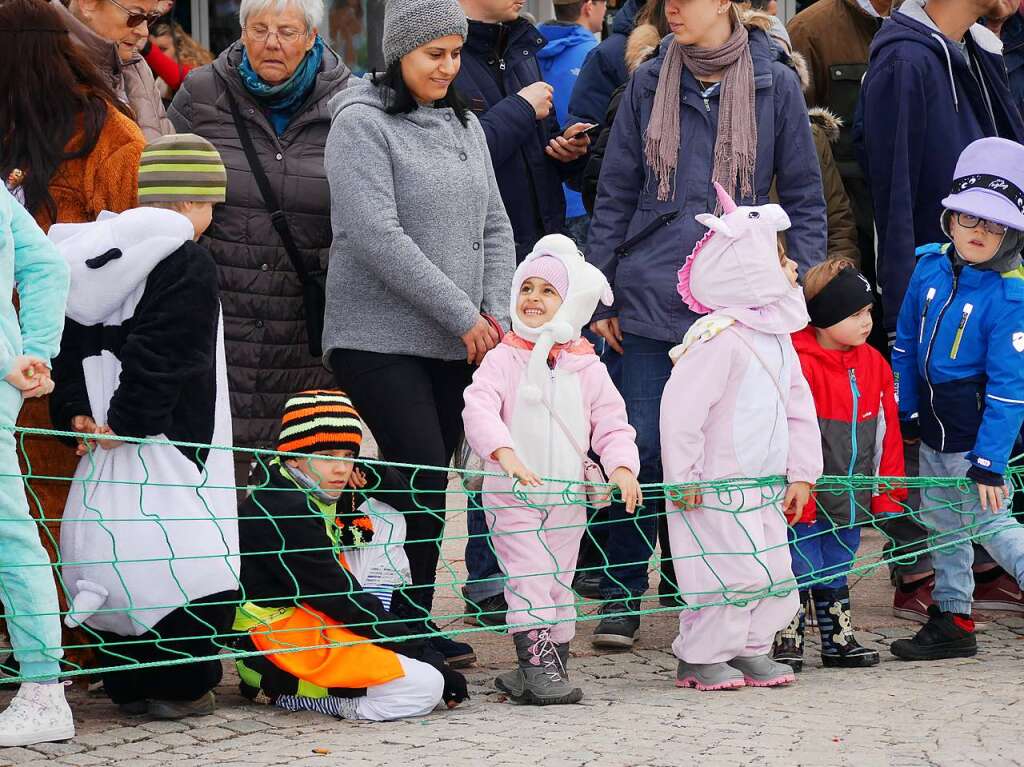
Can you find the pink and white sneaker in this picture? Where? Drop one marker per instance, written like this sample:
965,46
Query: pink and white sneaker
762,671
709,676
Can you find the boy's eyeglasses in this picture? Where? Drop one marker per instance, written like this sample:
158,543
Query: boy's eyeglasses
285,36
967,221
137,17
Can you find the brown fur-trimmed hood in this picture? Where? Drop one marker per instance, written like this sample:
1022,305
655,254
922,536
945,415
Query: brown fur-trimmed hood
643,41
830,123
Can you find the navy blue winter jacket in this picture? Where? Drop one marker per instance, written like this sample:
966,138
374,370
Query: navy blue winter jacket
959,358
604,69
1013,56
921,106
498,61
640,242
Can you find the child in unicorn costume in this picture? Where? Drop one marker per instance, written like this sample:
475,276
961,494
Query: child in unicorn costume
538,402
737,406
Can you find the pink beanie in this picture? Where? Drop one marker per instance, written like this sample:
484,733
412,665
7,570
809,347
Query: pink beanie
549,268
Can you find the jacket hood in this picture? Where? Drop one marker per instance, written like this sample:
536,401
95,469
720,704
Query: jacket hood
642,44
562,38
360,90
625,19
101,51
830,123
110,258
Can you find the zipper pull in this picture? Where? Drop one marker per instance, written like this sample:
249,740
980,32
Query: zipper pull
501,64
968,308
924,314
707,105
853,386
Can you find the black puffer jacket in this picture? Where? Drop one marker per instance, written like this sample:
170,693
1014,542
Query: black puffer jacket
264,328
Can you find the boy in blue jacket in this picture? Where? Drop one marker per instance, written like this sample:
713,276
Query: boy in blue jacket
959,365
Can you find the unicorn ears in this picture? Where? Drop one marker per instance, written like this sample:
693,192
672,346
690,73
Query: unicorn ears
715,223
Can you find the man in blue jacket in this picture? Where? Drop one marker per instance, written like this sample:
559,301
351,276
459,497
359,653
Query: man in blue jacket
531,153
935,83
570,38
604,69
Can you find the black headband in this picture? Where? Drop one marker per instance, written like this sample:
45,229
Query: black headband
845,295
1006,188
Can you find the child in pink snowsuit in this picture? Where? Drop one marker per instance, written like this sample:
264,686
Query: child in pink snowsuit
737,406
539,400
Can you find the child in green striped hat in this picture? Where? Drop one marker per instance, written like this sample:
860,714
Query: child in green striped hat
183,173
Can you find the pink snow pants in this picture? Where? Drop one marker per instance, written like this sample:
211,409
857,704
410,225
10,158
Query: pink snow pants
537,547
729,555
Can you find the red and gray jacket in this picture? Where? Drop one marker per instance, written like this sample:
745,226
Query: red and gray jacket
860,430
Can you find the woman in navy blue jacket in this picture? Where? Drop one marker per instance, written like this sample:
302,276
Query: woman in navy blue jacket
644,225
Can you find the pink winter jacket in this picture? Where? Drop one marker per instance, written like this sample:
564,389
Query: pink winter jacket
583,395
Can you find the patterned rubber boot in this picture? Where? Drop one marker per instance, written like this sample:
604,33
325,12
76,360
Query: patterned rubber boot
839,645
541,678
708,676
762,671
789,643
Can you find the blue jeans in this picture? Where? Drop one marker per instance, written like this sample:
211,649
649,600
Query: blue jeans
642,372
823,549
954,516
484,578
578,228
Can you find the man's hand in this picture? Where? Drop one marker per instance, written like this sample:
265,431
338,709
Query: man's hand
609,330
538,95
570,145
479,340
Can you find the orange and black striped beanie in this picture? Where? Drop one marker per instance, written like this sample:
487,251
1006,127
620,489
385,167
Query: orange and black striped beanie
320,420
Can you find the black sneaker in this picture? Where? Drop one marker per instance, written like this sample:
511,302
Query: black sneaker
490,612
456,654
945,635
587,585
668,594
617,632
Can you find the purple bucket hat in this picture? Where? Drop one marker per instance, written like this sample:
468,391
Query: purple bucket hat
989,182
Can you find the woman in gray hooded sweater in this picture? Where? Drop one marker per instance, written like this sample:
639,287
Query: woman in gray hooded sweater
420,266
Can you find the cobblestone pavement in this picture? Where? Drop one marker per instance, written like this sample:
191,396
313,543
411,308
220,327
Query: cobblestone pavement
962,712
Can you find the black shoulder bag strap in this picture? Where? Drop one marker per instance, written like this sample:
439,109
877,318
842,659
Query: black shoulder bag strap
314,301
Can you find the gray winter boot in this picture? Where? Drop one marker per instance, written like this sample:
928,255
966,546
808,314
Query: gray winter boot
762,671
541,678
708,676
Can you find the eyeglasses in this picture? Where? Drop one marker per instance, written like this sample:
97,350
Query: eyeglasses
967,221
135,17
262,34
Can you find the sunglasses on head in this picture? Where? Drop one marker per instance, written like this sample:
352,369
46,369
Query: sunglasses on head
135,18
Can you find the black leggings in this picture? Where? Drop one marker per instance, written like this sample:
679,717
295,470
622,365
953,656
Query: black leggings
413,406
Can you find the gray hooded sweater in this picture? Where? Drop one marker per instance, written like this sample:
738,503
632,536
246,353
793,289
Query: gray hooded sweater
422,244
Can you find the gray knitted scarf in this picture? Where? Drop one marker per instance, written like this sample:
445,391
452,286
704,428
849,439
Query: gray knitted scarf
736,142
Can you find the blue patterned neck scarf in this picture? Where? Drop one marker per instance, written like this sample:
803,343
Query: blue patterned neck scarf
281,102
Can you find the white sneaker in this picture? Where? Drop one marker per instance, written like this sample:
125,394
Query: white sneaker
39,713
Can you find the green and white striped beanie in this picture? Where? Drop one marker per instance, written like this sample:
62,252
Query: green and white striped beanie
181,167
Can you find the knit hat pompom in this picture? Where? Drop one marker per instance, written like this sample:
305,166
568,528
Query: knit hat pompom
319,420
181,167
550,269
408,24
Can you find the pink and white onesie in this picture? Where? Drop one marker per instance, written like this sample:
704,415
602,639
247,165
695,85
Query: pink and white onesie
737,406
536,531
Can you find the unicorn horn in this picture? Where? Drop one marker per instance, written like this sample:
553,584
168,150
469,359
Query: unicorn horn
728,206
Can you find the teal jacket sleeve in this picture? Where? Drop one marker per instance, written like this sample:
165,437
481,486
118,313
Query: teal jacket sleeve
42,278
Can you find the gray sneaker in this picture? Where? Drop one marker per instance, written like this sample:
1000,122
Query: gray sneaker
541,678
179,709
708,676
762,671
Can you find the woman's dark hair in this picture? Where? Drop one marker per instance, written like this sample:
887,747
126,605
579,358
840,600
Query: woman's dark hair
56,93
398,99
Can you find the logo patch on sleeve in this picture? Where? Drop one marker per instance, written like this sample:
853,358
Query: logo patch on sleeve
1018,341
983,461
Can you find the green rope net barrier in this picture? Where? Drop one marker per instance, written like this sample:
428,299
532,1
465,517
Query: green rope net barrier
118,511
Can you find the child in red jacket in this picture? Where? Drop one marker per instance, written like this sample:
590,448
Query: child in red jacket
853,391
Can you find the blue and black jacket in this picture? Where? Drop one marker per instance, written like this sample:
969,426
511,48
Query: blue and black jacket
959,359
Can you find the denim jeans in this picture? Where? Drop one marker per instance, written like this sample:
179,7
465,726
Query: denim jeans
578,228
642,372
954,515
823,549
484,578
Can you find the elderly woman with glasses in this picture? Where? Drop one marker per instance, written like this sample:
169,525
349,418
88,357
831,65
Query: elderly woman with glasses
263,105
110,33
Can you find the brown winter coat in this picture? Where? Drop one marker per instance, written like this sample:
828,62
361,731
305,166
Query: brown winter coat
132,81
264,328
842,231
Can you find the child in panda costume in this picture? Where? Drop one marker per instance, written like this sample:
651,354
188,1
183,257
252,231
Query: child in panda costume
149,539
538,402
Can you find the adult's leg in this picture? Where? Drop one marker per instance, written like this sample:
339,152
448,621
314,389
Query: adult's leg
483,574
645,368
395,395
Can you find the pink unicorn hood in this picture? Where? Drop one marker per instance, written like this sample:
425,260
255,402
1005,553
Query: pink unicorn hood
734,269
